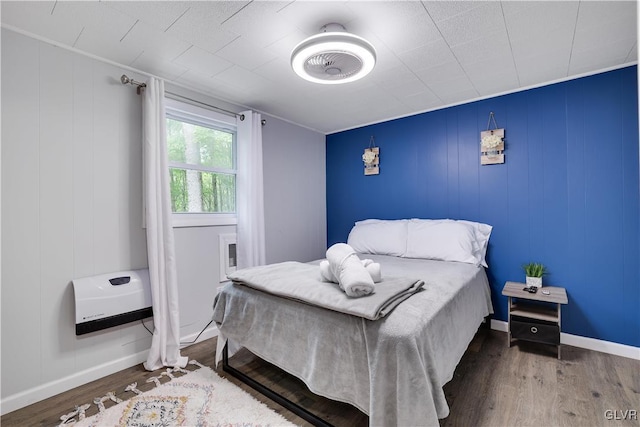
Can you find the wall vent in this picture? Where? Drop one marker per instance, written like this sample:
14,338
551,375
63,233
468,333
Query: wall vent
228,257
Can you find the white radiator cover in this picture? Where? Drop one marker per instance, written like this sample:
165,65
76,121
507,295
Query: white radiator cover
111,299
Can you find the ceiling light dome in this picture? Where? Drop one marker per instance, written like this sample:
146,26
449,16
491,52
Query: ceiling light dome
333,56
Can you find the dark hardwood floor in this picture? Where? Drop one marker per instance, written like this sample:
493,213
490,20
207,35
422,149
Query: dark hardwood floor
493,385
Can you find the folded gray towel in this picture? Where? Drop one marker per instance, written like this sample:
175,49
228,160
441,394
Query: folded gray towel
301,282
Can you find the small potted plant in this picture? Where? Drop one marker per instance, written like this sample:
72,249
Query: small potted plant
534,272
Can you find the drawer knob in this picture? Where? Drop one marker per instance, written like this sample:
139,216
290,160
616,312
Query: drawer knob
534,330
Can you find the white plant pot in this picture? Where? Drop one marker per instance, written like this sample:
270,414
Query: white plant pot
534,281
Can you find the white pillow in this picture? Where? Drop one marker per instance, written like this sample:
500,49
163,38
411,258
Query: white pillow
482,233
381,237
444,240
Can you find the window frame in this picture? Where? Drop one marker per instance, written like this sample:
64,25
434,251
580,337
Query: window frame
199,116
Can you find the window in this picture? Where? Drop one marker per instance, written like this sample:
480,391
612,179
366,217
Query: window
202,165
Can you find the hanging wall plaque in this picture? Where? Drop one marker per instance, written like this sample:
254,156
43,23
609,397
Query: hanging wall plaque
371,159
492,144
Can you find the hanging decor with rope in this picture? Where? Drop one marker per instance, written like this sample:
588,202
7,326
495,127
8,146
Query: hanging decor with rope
371,158
492,144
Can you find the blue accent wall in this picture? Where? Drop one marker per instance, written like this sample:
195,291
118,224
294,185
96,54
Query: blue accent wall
567,195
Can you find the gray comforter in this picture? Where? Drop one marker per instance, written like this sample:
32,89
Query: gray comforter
392,369
302,282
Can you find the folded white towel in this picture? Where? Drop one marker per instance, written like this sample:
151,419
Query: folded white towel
352,276
374,271
326,273
366,261
372,267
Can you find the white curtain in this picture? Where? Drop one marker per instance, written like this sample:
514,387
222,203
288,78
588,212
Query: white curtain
249,188
165,346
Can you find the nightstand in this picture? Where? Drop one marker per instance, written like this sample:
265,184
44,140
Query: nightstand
535,317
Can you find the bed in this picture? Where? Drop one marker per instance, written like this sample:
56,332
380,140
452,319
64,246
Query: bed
392,369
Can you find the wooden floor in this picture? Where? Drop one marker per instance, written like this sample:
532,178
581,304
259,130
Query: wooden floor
493,385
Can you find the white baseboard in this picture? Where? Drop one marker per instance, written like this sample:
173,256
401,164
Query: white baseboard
208,333
44,391
600,345
583,342
499,325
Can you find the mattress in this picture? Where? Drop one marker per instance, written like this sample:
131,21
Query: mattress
392,369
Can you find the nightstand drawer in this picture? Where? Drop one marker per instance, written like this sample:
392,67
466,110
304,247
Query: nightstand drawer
535,331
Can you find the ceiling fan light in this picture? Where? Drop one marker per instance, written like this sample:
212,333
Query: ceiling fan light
333,58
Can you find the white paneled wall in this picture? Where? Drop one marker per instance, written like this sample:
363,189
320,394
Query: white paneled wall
199,275
21,288
55,208
294,175
72,207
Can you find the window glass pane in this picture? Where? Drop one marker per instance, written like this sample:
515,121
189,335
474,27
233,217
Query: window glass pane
196,192
175,141
199,145
218,192
179,194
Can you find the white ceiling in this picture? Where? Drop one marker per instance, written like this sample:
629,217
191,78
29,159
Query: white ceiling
430,54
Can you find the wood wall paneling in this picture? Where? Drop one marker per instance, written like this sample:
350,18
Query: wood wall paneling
105,173
453,168
294,192
83,161
469,134
21,303
518,202
631,202
56,211
567,195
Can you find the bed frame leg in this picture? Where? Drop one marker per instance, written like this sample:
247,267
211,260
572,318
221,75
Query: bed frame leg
276,397
487,323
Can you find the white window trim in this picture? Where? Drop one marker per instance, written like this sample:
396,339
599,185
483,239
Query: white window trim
174,107
201,116
201,168
203,219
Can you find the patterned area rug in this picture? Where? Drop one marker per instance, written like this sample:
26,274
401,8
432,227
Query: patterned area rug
197,398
